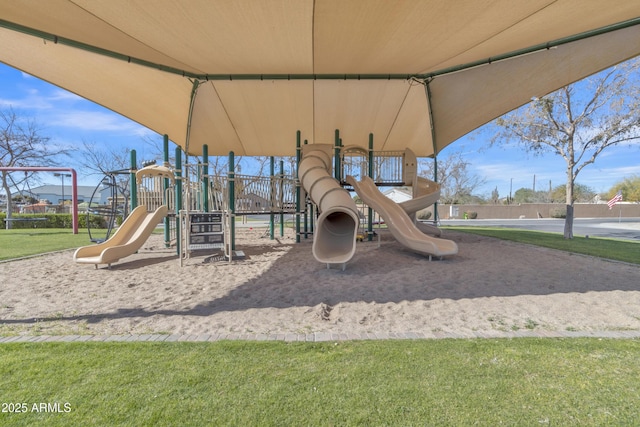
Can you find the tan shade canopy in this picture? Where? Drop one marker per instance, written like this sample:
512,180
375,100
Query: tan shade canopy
245,75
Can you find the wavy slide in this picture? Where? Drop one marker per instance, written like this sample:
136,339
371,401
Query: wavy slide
334,239
425,192
129,237
399,222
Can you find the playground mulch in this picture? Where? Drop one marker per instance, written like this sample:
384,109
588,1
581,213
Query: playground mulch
491,288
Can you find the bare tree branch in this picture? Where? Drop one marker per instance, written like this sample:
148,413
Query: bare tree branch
579,122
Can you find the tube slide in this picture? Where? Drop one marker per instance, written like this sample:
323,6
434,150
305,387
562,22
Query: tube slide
129,237
334,239
399,222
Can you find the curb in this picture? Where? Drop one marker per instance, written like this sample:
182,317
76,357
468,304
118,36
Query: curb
318,336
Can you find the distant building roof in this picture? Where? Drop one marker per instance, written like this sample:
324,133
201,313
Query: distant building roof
84,191
398,195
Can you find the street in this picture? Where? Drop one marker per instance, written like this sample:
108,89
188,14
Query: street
624,228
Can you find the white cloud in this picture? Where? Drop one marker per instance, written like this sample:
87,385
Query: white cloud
63,95
95,121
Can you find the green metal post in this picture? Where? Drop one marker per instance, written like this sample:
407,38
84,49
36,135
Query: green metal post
427,90
132,182
435,179
198,200
306,216
298,193
370,172
178,173
272,197
205,177
232,200
336,160
165,187
281,197
305,221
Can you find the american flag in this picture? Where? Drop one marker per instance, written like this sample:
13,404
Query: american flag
617,198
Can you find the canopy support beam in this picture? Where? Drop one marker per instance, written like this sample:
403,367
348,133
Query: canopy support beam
230,77
432,128
194,92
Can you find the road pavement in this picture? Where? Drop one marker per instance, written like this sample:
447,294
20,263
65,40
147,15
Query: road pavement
623,228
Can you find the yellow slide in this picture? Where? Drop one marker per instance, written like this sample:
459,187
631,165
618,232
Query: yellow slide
129,237
400,224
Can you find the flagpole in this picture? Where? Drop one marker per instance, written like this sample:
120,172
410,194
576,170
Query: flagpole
620,215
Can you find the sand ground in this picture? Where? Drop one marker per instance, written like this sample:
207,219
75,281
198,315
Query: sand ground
279,288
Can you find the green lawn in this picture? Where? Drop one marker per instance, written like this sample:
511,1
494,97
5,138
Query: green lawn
619,250
523,382
24,242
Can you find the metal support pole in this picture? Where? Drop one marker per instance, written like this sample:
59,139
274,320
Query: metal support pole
165,187
427,90
272,197
232,200
298,192
337,172
132,182
178,174
306,216
205,178
281,198
370,172
435,179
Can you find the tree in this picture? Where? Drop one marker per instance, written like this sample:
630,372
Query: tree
495,196
630,188
526,195
102,161
457,181
581,193
22,145
578,122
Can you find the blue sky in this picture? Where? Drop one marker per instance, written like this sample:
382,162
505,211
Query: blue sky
70,120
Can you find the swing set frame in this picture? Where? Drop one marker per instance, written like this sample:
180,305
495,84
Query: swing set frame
74,186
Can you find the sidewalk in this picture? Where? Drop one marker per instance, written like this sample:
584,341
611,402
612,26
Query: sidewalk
320,336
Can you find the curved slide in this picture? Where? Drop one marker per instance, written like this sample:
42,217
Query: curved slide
129,237
425,194
399,222
334,239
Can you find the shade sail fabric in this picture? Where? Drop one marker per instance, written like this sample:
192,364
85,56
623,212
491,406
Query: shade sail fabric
245,75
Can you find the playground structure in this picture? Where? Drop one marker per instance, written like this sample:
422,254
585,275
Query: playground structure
321,201
108,212
334,240
200,209
402,227
138,226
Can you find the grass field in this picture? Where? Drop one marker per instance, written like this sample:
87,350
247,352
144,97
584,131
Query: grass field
523,382
25,242
619,250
